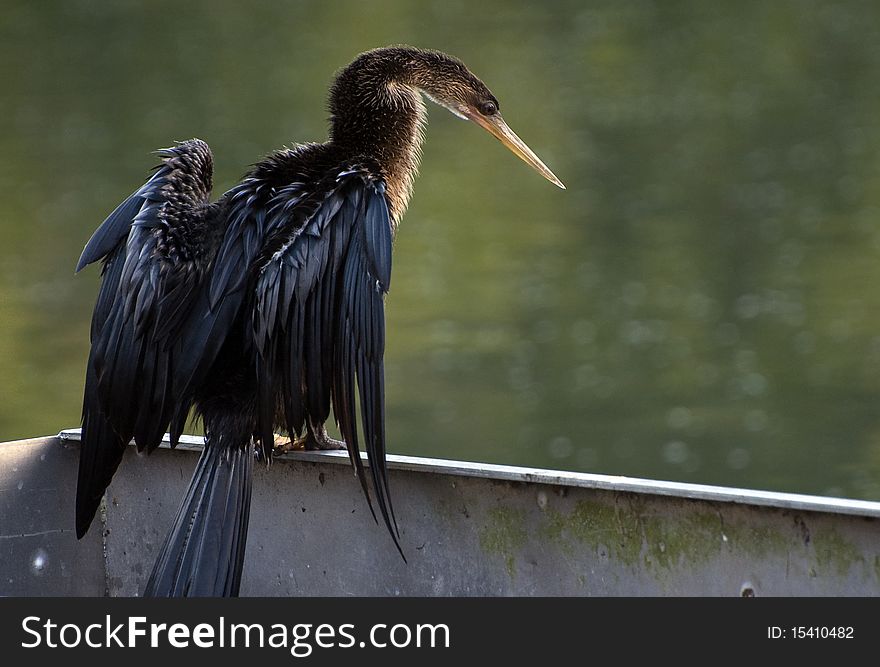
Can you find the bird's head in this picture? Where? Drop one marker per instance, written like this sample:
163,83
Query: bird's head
449,83
390,76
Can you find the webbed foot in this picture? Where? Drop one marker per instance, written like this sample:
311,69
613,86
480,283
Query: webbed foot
314,440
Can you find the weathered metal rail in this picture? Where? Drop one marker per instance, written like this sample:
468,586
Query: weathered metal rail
466,529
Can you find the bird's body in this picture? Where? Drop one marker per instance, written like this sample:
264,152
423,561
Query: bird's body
260,310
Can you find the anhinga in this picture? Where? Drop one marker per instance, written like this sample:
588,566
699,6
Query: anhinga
262,309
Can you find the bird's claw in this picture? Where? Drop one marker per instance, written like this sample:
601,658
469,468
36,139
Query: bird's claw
282,445
321,442
310,442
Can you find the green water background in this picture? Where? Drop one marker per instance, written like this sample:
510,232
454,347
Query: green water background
700,305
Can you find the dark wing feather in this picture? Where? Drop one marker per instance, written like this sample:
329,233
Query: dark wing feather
150,323
318,320
115,228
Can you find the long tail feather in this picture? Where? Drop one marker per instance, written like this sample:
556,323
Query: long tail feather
203,554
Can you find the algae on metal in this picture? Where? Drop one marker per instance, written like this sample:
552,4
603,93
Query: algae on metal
658,543
834,550
504,535
632,535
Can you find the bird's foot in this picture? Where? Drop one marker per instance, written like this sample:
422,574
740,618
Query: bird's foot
318,440
309,442
282,445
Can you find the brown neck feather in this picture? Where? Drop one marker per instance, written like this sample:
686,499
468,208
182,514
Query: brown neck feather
377,111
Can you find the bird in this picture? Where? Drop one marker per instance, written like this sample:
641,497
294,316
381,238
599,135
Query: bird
262,310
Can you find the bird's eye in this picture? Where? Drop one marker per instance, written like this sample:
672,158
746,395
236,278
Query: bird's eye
488,108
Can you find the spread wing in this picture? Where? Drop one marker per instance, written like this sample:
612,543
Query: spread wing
318,320
151,325
311,265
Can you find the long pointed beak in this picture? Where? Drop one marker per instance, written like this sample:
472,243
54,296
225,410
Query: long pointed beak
499,129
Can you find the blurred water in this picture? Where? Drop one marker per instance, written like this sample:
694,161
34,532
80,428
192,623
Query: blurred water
699,305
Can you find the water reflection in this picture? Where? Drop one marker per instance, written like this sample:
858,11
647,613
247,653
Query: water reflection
699,304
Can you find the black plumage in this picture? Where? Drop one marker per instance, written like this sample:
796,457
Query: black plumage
261,310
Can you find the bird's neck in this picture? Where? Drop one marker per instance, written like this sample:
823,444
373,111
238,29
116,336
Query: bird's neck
377,111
